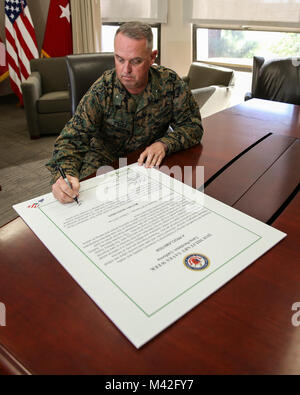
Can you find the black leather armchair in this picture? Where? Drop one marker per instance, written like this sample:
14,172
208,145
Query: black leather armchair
83,71
276,79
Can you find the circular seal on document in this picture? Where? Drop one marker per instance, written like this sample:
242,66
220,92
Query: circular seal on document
196,262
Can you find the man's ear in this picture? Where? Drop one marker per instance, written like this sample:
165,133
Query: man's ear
153,56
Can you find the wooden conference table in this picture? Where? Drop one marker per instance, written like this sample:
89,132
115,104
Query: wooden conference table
251,157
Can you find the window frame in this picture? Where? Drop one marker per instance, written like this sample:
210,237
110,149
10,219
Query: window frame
155,25
232,65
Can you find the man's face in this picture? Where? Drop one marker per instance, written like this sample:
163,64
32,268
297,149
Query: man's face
133,60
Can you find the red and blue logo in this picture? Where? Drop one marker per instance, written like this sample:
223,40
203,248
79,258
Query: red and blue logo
196,262
35,204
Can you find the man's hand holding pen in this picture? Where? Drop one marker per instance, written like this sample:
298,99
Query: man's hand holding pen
66,193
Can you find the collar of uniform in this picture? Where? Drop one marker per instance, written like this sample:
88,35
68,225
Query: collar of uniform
151,92
153,87
119,91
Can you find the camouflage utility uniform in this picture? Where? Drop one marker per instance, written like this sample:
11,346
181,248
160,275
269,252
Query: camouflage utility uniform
109,122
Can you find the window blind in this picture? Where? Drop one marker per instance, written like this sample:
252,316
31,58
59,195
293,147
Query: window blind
244,13
149,11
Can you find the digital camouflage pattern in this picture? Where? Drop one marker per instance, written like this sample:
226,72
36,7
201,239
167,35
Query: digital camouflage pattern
109,122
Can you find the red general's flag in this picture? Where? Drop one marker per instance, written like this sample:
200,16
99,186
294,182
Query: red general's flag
3,64
58,33
21,45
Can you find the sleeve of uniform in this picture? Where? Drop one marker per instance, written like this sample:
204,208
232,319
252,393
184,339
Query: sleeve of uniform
186,128
74,141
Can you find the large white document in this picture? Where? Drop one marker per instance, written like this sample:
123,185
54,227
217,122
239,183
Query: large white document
146,247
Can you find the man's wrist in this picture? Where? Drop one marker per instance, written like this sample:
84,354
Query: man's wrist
165,146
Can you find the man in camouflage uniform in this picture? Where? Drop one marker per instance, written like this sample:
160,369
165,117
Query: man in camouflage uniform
135,105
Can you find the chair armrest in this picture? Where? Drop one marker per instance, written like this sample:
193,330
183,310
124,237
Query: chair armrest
212,99
32,87
32,90
201,95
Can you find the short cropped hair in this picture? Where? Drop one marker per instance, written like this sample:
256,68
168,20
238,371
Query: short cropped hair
137,31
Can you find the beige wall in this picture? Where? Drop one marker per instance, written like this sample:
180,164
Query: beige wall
176,40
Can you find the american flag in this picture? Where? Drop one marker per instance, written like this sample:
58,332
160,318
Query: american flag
21,45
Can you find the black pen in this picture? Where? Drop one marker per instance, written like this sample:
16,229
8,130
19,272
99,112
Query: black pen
62,173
